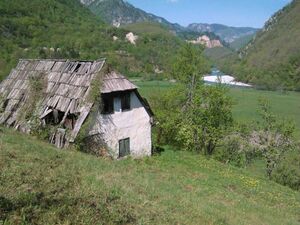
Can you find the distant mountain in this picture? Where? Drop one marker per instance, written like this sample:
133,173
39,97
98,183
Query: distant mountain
226,33
119,12
272,58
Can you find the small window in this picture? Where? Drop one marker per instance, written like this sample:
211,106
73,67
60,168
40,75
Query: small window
125,102
108,105
124,147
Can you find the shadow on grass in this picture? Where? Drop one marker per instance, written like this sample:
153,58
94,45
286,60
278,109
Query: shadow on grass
32,208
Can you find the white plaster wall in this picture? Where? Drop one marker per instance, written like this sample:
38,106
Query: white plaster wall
134,124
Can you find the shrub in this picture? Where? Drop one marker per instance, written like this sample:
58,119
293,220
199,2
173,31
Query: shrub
236,150
288,171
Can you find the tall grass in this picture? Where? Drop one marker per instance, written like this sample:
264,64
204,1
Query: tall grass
43,185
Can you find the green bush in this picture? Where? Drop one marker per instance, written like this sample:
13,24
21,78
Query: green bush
235,150
288,171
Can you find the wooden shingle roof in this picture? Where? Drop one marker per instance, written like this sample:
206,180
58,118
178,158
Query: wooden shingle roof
114,82
67,86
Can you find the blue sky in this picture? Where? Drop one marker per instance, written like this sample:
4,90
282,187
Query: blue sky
251,13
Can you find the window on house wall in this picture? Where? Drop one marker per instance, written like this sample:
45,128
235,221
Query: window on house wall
125,102
108,105
124,147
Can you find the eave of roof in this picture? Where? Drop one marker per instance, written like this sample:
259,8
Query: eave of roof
114,82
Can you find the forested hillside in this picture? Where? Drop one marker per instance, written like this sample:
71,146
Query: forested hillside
46,28
66,29
272,58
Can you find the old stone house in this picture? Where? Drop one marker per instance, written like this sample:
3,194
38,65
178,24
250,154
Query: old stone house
77,98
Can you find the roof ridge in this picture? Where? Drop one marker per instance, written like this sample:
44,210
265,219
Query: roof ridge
65,60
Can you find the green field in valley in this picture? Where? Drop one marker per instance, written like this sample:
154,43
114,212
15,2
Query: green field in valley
285,105
43,185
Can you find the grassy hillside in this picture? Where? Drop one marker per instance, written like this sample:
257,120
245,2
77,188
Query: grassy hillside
43,185
272,59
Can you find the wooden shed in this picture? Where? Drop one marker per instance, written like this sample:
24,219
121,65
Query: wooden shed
62,94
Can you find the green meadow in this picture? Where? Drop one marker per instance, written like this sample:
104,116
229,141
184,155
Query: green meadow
40,184
284,104
43,185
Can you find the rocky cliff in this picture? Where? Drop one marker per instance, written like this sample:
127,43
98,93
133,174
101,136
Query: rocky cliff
205,40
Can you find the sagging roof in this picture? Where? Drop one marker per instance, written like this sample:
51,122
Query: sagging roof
68,84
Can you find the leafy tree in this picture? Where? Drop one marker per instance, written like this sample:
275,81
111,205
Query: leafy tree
189,69
275,138
167,108
206,121
200,115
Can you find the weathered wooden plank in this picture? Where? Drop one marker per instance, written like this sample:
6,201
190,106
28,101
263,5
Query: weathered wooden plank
58,66
50,87
97,66
73,106
32,64
66,114
58,138
13,74
12,103
63,104
18,84
4,116
84,111
59,103
44,65
68,67
86,94
53,101
46,112
24,85
54,76
15,94
41,65
65,78
77,80
12,118
62,90
84,69
22,64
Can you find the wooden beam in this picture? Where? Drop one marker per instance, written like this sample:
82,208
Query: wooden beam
84,112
